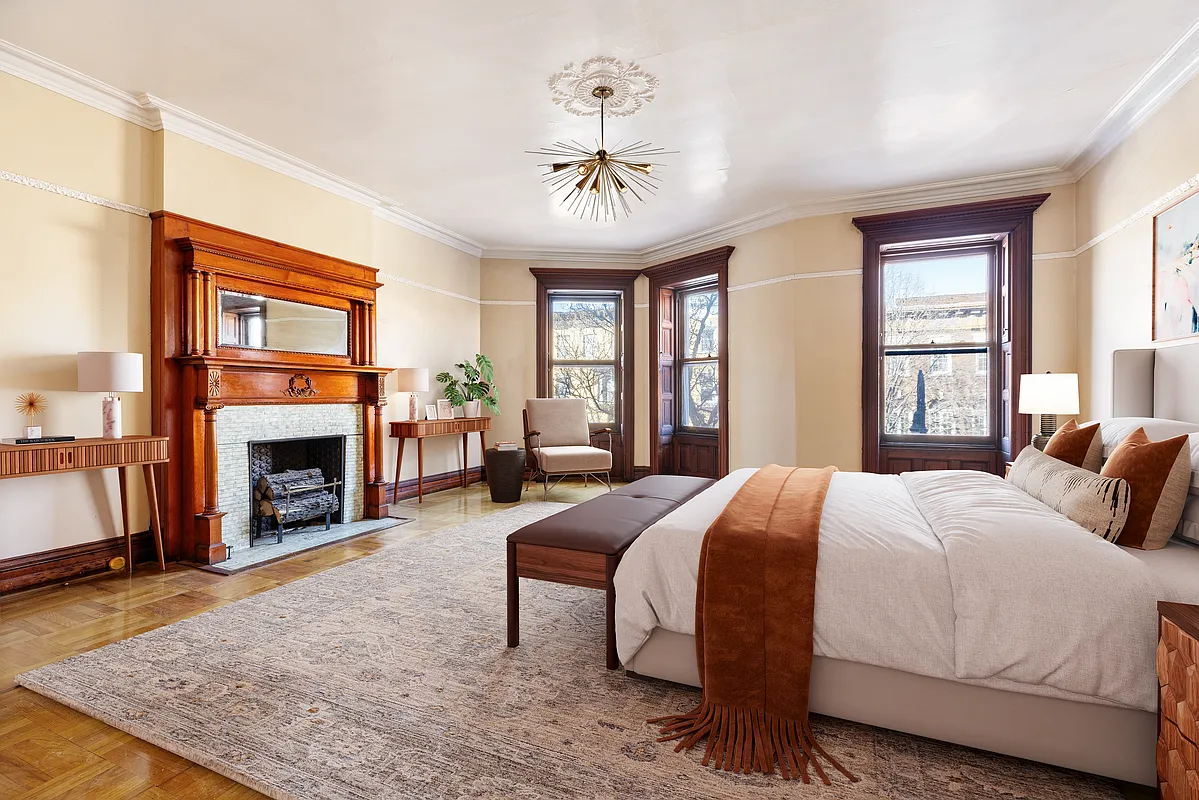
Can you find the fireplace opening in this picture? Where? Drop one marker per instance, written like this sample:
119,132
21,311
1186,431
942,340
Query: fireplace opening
295,483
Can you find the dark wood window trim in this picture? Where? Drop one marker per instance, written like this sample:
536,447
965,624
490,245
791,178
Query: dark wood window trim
671,276
1009,222
993,251
551,280
683,360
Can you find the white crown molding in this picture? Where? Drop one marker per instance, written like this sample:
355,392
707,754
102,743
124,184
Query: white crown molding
932,194
1171,72
910,197
183,122
389,212
155,114
1168,74
58,78
635,257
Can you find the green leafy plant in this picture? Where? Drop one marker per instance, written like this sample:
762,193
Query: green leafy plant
478,383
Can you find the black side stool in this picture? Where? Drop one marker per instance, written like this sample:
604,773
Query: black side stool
505,474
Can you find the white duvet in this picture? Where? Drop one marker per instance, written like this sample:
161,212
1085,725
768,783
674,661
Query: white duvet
956,575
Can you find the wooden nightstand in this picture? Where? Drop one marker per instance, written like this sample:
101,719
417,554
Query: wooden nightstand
1178,703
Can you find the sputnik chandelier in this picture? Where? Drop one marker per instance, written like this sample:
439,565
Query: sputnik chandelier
595,183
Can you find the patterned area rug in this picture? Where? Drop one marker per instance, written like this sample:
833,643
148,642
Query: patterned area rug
389,677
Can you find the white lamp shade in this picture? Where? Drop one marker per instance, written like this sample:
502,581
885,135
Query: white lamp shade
412,379
110,372
1050,393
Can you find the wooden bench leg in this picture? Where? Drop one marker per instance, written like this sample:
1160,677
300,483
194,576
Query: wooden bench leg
513,598
610,564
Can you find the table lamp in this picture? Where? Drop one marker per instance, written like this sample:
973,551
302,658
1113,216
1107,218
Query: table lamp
412,380
1049,394
110,373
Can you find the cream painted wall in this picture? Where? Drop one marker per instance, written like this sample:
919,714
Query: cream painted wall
795,345
417,327
1115,276
75,277
509,337
422,328
204,183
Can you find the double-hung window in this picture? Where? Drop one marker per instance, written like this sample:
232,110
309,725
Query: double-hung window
585,361
699,353
939,343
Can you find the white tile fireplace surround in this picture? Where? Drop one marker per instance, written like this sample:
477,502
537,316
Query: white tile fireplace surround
237,426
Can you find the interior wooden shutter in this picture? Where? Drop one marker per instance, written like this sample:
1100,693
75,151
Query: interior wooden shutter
666,379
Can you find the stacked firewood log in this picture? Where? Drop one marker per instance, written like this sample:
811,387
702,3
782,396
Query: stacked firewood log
272,501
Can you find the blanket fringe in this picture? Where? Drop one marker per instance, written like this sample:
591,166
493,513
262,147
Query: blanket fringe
749,740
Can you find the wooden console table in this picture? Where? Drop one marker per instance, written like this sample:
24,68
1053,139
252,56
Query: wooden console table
423,429
23,460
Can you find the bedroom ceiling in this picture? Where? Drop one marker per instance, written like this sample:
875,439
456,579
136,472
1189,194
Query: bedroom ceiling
771,103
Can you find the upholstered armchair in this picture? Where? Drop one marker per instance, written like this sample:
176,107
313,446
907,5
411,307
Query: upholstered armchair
562,443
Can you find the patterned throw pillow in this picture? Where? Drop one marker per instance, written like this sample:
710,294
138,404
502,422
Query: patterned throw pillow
1159,474
1079,447
1101,505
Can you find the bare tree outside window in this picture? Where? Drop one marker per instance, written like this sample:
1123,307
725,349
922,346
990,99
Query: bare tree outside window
936,345
700,349
585,357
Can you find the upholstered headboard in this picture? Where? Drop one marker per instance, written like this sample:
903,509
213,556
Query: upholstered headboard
1162,383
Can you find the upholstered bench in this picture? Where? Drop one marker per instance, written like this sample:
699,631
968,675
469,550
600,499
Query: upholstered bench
582,545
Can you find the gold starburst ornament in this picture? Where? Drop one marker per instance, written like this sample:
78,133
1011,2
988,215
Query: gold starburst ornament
595,183
30,405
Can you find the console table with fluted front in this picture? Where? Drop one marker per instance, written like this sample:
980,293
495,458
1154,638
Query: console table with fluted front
423,429
24,460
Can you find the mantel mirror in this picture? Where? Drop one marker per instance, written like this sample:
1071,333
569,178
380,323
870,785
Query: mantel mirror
264,323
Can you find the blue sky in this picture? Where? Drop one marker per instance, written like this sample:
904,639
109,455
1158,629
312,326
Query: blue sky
949,275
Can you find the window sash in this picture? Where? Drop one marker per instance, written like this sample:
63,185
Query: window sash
682,334
616,363
990,347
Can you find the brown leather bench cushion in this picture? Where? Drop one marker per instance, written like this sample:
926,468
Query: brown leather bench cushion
609,523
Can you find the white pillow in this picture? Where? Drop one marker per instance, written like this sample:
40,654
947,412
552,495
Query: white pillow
1113,431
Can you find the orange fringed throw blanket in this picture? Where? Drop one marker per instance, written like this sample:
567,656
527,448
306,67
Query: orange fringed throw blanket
753,629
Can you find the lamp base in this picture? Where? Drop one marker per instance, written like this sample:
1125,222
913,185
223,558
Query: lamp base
112,418
1048,428
412,406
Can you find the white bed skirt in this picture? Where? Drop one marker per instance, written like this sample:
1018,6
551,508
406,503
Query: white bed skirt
1101,739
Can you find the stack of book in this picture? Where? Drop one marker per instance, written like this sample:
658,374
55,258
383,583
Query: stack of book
38,440
506,446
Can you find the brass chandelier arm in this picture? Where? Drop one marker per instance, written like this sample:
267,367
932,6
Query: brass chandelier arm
595,183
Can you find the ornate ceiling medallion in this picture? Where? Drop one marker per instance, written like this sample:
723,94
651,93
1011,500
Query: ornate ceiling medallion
596,183
630,87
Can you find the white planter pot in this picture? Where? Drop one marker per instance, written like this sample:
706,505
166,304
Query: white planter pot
472,408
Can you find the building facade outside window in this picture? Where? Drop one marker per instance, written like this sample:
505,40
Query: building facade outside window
586,357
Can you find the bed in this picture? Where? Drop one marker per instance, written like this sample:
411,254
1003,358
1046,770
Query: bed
974,615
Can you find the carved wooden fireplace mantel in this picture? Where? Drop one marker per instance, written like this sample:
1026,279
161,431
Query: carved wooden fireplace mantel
196,370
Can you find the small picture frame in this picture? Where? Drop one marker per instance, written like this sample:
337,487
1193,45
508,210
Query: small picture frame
430,412
445,409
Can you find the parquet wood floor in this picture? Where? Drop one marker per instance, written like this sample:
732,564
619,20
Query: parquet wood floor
50,751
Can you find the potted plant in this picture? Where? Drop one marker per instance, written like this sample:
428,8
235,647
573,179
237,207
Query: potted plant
477,387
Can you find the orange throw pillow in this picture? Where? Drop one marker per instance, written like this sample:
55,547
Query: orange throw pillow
1079,447
1159,474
